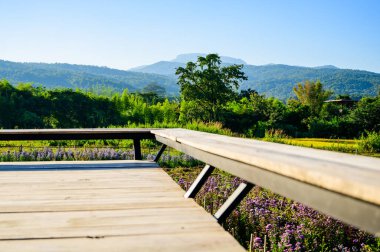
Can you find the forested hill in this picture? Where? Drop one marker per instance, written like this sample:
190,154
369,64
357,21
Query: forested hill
271,80
278,80
82,76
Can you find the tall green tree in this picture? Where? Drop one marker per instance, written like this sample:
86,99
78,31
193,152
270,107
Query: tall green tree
312,94
209,84
367,114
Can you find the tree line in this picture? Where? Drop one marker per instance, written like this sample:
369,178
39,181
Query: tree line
209,93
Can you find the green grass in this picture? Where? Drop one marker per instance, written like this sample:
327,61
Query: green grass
339,145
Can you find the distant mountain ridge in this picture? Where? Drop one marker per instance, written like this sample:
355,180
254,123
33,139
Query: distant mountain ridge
272,80
277,80
162,67
82,76
184,58
169,67
326,67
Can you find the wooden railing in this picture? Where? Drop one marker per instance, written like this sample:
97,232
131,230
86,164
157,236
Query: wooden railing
80,134
344,186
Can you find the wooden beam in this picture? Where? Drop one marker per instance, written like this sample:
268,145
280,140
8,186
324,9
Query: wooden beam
76,165
75,134
343,186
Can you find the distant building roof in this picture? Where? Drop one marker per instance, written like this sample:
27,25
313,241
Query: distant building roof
342,101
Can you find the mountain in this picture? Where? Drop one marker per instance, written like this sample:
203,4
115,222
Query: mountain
184,58
168,67
272,80
162,67
278,80
82,76
326,67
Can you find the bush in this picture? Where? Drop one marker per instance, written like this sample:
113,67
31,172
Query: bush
275,135
371,143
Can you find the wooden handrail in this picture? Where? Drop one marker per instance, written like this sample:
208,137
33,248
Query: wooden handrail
75,134
80,134
344,186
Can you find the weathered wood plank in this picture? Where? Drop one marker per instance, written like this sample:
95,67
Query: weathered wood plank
177,241
100,194
104,223
75,134
128,209
76,165
352,175
88,205
341,185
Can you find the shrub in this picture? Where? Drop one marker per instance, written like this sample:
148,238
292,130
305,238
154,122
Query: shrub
370,143
275,135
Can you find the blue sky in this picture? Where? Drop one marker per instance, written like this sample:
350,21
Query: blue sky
124,34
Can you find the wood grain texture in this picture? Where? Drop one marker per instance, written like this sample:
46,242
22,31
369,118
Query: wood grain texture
76,165
200,241
103,210
350,175
75,134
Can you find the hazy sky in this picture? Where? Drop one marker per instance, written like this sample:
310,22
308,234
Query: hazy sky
124,34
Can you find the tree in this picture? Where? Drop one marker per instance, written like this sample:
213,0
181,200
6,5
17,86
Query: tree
153,93
366,114
154,88
312,94
247,93
209,84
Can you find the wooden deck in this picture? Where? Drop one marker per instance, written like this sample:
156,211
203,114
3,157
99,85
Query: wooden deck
119,206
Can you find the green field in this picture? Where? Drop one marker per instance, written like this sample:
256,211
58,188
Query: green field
340,145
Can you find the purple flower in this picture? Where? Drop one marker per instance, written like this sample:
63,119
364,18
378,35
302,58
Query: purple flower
181,181
257,241
268,227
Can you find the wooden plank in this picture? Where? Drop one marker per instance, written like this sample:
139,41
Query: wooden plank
17,189
356,176
75,134
36,192
99,194
81,224
88,205
103,209
76,165
362,212
202,241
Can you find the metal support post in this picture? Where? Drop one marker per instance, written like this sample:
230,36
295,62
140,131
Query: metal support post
199,181
160,152
137,147
233,201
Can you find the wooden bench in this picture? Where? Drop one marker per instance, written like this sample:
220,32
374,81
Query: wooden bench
344,186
